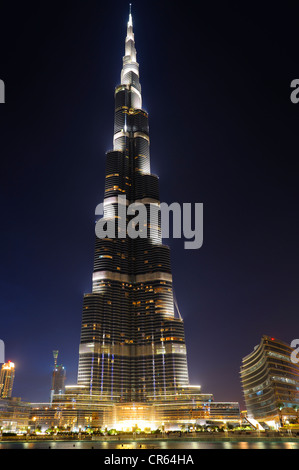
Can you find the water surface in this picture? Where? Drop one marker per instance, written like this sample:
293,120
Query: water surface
152,444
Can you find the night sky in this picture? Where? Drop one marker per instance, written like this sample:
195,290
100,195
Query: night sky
224,132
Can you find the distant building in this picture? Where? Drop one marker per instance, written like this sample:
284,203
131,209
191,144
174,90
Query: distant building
14,415
270,382
7,376
58,378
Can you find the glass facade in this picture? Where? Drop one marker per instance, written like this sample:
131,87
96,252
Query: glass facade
132,343
7,376
270,382
132,354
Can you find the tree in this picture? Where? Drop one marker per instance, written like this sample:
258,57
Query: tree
296,408
280,407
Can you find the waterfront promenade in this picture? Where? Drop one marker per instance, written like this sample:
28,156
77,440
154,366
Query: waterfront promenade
125,438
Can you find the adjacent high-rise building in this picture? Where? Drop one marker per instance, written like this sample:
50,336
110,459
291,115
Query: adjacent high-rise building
132,342
7,376
270,382
58,378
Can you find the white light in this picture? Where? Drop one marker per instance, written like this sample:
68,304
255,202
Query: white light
128,425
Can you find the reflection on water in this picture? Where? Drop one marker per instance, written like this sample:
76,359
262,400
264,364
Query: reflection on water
151,444
243,445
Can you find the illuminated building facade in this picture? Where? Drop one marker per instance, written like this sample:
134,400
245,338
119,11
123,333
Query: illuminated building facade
132,343
270,382
7,376
58,378
79,411
132,354
14,415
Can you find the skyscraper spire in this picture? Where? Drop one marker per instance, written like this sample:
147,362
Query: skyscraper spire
130,70
55,355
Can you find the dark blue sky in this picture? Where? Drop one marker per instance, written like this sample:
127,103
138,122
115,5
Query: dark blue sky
216,83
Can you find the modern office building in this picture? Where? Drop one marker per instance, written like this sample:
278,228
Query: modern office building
14,415
132,353
7,376
77,410
132,343
270,382
58,378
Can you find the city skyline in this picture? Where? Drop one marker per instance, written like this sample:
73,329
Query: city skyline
224,143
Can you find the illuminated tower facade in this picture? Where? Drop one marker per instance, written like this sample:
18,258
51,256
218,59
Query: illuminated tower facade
132,346
58,378
270,382
7,376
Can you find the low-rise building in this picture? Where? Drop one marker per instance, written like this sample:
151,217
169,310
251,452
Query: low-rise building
270,382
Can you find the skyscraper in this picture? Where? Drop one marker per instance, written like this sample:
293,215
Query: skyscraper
7,376
58,377
132,353
132,343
